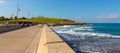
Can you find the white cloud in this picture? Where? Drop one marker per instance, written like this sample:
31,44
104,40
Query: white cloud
1,1
109,16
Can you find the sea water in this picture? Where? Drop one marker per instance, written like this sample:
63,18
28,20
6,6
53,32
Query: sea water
91,38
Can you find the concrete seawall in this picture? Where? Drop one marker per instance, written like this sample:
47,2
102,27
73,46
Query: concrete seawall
51,43
5,28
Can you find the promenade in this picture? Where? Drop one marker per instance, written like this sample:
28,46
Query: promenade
20,41
34,39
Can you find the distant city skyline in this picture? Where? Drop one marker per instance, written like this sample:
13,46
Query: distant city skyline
92,11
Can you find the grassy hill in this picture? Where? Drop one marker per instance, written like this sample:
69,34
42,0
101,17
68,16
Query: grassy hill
42,20
49,20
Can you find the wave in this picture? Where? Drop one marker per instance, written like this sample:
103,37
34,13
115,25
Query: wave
65,29
82,29
88,40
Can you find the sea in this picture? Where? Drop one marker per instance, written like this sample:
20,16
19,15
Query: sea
91,38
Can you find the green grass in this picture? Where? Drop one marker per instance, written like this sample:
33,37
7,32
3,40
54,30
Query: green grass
39,20
49,20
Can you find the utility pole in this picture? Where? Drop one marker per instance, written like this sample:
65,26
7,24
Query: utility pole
28,15
18,10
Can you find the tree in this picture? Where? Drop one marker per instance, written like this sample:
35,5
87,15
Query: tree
23,18
6,19
15,18
2,18
11,18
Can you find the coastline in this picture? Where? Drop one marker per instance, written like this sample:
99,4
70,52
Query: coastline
62,24
89,42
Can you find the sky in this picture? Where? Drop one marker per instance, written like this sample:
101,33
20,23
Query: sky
91,11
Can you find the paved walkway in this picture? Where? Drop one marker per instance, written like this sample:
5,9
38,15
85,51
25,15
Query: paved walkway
19,41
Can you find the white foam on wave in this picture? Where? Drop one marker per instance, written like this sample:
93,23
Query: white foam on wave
67,26
72,28
83,29
95,34
66,29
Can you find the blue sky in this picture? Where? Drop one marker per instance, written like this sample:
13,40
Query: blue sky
96,11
